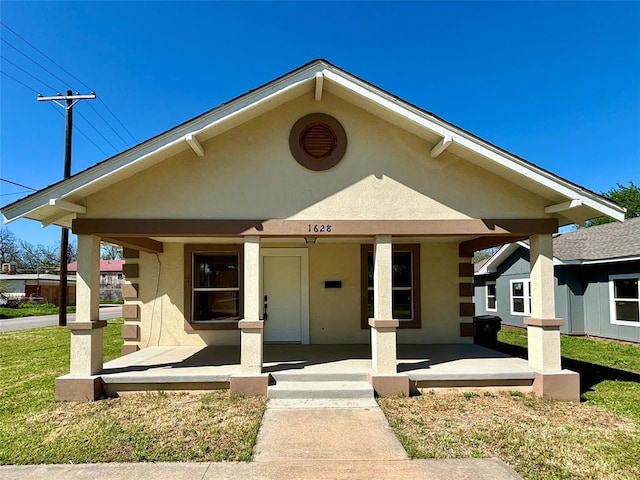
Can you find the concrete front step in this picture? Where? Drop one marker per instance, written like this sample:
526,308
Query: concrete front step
320,390
293,376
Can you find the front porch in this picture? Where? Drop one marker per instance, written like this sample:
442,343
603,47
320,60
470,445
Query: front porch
212,367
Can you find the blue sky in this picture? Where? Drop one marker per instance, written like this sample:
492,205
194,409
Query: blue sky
555,83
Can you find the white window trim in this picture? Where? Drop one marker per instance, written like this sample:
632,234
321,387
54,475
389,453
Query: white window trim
612,299
526,286
486,297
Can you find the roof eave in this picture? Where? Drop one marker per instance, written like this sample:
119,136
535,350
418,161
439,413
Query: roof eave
265,97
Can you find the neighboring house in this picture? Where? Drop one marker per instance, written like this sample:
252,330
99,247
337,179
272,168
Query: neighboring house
111,278
315,209
38,286
597,277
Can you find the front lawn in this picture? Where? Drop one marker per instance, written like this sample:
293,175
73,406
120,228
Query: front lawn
137,427
29,310
540,439
609,370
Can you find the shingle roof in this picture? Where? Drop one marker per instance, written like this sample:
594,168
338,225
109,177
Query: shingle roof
611,240
105,266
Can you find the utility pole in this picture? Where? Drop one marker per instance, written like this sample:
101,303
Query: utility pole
70,100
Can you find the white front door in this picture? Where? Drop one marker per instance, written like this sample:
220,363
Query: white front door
285,295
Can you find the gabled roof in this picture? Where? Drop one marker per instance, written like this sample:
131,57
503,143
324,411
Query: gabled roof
56,204
608,243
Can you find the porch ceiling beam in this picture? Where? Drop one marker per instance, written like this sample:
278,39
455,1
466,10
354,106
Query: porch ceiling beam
142,244
68,206
564,206
113,227
441,146
470,246
318,86
195,145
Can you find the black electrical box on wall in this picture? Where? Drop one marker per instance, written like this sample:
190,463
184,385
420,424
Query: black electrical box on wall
333,284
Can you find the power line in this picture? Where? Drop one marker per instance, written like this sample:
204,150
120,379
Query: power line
14,193
117,119
32,60
108,124
58,111
72,76
97,131
82,133
23,70
21,83
45,55
17,184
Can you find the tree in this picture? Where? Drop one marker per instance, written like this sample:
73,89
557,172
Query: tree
626,196
110,252
42,257
481,255
9,247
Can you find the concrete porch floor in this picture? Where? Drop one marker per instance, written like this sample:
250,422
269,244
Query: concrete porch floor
428,366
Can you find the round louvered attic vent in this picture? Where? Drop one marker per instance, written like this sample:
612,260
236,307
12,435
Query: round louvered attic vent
317,141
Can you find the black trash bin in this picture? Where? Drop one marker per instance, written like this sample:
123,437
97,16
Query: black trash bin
486,330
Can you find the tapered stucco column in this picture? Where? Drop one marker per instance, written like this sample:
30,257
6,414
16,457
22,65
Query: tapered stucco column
251,381
543,328
383,327
82,383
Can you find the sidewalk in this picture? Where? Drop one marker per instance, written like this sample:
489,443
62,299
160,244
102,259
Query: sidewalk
335,440
467,469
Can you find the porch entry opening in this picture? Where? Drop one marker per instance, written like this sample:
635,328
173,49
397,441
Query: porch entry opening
285,295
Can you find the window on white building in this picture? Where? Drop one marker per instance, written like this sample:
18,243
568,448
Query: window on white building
625,299
491,303
520,296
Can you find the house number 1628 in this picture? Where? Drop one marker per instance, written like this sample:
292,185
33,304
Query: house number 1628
319,228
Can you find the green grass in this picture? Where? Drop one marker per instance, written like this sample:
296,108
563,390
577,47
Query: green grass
607,353
34,428
26,310
538,438
609,370
32,359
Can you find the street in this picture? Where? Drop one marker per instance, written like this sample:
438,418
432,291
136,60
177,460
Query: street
22,323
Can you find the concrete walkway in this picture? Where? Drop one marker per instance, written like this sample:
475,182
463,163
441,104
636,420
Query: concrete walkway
299,439
313,430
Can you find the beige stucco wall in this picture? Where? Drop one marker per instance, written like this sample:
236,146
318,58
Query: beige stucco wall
162,318
440,297
334,313
249,172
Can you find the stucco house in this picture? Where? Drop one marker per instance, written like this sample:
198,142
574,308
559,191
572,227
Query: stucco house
315,209
597,277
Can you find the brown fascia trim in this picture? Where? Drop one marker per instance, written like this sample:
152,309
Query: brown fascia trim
136,244
128,228
467,248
